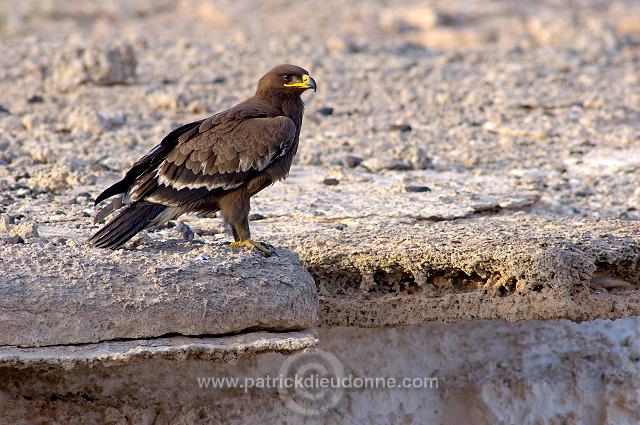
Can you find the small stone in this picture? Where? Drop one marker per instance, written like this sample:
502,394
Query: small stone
185,231
42,154
28,122
352,161
87,179
340,226
4,110
325,111
256,217
417,189
58,240
342,44
22,192
331,182
20,175
165,99
378,164
55,179
209,12
110,64
5,223
408,19
403,128
88,120
629,22
417,157
26,230
208,232
35,99
309,158
11,239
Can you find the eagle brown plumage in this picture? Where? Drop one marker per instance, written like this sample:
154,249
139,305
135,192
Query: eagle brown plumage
211,165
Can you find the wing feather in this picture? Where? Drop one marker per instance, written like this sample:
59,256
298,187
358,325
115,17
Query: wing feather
219,156
150,161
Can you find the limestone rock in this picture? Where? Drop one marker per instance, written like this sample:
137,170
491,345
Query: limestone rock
73,294
53,179
27,230
546,372
375,272
109,64
399,20
222,349
87,120
453,195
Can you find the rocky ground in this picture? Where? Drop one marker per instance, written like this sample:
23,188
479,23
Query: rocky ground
460,161
545,94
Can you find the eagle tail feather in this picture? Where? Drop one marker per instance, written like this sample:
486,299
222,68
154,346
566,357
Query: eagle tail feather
133,219
114,205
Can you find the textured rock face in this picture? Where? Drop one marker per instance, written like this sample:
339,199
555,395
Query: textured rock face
487,372
220,349
69,294
375,272
453,251
99,64
382,255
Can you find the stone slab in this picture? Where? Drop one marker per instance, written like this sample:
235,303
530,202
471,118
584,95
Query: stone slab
224,349
68,293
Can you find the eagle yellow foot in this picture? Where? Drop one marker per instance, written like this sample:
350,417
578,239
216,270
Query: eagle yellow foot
250,245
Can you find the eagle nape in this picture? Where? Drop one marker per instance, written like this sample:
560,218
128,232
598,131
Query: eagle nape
213,165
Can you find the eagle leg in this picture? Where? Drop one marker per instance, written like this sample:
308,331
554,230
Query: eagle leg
250,244
235,211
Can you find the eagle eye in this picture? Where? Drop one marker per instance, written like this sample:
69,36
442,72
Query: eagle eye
286,77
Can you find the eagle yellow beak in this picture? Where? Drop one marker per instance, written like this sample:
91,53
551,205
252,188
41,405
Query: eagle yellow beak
306,83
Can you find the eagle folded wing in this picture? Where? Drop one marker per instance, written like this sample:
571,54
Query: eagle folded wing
148,162
216,158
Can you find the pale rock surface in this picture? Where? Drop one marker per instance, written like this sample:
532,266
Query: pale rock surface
486,373
107,64
217,349
68,293
25,230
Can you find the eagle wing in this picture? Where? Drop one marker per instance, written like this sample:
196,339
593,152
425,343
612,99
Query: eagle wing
215,157
148,162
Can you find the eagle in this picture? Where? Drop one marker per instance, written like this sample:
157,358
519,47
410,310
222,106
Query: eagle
213,165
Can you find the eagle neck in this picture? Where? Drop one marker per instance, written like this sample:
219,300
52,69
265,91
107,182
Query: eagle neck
293,107
289,104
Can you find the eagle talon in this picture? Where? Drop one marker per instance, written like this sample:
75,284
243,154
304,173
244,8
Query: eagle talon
251,245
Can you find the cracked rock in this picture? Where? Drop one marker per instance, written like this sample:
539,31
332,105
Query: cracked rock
109,64
88,120
25,230
54,179
73,294
223,349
